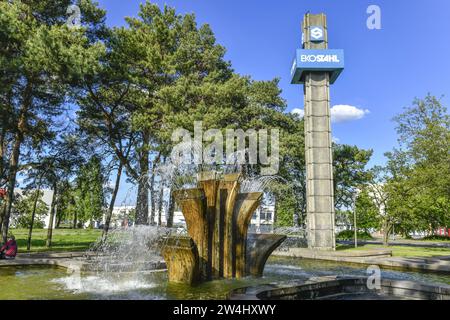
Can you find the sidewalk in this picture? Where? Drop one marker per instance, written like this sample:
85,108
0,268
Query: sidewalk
73,261
60,259
406,243
377,257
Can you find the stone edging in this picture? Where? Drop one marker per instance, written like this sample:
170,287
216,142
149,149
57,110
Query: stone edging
332,286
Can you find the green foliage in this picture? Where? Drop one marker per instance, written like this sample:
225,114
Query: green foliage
163,72
411,192
436,238
286,208
88,192
290,192
23,210
367,214
84,199
420,169
43,62
349,164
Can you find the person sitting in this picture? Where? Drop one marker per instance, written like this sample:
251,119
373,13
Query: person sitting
9,250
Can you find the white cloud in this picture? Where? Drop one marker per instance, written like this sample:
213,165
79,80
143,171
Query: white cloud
344,113
336,140
340,113
299,112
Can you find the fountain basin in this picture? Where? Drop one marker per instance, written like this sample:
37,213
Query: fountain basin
47,282
182,260
343,288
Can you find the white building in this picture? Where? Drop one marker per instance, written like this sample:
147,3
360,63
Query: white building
262,220
123,215
120,215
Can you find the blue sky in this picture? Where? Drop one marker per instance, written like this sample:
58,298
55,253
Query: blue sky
385,69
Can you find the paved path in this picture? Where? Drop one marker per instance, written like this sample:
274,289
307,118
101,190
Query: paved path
69,260
406,243
73,261
378,257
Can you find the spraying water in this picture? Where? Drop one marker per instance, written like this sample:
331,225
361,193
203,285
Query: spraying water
122,263
260,183
129,249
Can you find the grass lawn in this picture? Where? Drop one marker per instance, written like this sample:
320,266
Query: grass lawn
62,239
401,251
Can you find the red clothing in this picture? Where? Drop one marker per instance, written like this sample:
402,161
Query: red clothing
10,248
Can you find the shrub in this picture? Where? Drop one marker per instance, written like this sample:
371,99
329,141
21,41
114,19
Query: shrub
437,238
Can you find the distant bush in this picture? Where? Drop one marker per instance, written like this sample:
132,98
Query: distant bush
350,235
437,238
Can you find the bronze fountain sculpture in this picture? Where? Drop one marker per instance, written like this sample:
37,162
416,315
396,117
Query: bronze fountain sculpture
218,246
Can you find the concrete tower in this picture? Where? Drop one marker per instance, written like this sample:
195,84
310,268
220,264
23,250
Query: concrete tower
317,67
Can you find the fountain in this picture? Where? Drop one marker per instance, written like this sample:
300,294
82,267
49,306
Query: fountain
218,247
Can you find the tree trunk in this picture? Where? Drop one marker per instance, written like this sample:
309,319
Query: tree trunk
4,140
297,215
2,213
385,238
275,211
52,217
387,230
75,217
12,183
161,196
15,155
142,202
111,203
171,210
152,196
2,155
58,220
296,218
160,202
142,196
33,214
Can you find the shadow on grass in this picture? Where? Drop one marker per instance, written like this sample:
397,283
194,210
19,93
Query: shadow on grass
343,247
71,241
40,246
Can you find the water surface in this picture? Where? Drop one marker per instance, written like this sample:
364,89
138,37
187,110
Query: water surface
34,283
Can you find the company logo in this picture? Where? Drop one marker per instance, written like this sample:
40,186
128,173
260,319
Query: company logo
316,34
320,58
